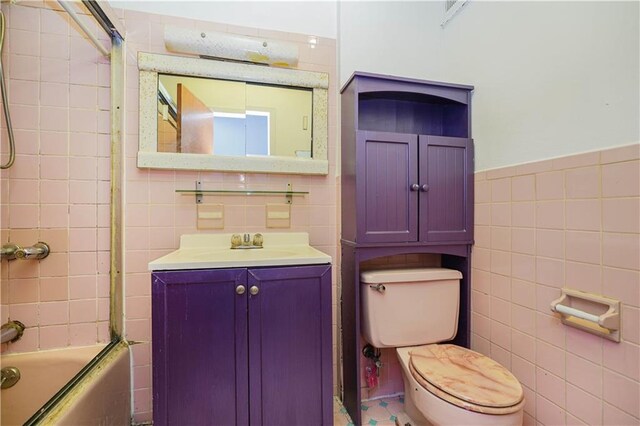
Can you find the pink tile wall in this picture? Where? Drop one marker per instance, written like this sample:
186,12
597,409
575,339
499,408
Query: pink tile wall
155,216
568,222
58,189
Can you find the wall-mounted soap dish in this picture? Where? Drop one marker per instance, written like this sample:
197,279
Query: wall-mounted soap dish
592,313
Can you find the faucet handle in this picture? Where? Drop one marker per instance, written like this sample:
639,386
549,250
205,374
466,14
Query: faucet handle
246,240
236,240
258,240
8,251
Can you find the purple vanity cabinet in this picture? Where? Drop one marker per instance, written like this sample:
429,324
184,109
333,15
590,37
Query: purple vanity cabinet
200,348
242,346
290,346
407,188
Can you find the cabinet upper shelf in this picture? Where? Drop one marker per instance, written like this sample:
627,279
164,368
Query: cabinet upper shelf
402,105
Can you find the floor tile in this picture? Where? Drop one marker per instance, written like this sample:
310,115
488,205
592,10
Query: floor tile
378,412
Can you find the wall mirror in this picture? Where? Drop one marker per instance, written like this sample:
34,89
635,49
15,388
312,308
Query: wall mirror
202,114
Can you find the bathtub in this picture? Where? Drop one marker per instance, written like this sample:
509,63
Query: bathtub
72,386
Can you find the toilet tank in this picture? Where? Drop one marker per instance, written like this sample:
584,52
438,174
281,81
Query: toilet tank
408,307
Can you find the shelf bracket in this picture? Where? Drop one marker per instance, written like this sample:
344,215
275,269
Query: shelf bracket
289,195
198,193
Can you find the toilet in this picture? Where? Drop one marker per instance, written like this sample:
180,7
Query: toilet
413,310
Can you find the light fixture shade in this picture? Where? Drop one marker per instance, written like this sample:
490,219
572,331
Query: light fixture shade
227,46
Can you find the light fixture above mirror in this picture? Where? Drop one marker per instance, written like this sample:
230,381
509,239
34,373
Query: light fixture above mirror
283,113
213,44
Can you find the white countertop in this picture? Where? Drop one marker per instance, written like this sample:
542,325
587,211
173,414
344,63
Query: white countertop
209,251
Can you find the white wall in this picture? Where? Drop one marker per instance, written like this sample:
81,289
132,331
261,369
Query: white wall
396,38
551,78
306,17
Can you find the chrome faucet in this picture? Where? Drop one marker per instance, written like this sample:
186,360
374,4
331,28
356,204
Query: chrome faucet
246,242
11,251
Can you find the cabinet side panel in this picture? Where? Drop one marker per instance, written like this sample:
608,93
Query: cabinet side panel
327,347
348,163
462,264
159,350
287,335
455,121
350,314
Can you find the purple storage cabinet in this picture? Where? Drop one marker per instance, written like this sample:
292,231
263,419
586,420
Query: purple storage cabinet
407,187
224,358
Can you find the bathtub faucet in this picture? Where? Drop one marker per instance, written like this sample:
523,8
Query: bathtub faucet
11,331
37,251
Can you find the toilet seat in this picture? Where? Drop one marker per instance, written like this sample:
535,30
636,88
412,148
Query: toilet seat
466,379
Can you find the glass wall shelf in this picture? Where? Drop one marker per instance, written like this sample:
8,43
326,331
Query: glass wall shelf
199,192
239,192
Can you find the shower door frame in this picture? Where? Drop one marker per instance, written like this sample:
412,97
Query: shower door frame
108,20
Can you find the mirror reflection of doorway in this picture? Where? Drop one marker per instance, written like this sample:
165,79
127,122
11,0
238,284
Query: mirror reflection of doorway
242,134
195,123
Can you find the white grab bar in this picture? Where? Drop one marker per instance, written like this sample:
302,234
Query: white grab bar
567,310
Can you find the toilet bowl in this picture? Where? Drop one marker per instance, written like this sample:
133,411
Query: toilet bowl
455,395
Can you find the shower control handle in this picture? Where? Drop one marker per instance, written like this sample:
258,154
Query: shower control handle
38,251
9,250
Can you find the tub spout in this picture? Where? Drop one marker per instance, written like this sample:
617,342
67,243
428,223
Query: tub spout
11,331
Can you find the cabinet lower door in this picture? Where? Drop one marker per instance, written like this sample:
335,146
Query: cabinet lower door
290,366
200,348
386,203
446,202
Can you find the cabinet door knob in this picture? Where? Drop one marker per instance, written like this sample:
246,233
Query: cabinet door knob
254,290
414,187
240,289
424,188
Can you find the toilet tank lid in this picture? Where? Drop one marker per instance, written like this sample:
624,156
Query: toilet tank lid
409,275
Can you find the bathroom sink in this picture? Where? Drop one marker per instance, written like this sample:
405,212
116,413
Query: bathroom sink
206,251
228,254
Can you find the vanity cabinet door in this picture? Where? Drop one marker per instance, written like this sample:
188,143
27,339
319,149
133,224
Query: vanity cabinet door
387,204
200,348
290,365
446,185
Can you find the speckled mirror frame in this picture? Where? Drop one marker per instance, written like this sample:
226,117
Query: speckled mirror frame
148,156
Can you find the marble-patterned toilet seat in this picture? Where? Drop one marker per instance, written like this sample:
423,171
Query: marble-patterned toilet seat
466,379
